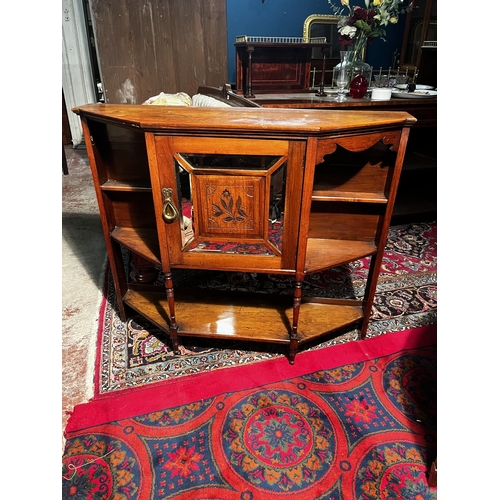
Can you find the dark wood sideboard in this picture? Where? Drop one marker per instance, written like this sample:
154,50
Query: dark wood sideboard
197,188
274,66
274,72
417,193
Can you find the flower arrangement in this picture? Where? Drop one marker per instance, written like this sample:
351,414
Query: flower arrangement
362,25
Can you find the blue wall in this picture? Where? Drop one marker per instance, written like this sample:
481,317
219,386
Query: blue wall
286,18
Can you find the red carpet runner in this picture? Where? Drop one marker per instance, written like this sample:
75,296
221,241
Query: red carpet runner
353,421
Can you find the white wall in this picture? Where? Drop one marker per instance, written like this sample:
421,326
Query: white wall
77,78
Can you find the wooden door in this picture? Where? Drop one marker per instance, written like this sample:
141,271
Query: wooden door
150,46
227,203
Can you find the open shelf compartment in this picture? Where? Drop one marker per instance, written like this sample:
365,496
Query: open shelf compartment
248,317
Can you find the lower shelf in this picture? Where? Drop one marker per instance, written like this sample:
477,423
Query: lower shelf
249,317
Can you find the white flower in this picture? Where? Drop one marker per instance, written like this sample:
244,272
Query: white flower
383,16
349,31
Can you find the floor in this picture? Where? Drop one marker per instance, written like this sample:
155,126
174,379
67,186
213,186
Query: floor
83,260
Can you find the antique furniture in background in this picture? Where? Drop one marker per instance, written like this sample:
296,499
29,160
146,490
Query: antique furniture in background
275,64
282,191
419,49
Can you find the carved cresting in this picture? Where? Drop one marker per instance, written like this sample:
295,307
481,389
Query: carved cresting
328,147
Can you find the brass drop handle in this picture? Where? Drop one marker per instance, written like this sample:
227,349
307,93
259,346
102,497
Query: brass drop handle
169,212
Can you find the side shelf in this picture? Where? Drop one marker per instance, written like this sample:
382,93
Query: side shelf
120,154
348,204
353,177
324,253
120,168
114,185
142,241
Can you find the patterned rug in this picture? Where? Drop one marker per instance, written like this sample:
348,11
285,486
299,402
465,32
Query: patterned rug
136,353
362,429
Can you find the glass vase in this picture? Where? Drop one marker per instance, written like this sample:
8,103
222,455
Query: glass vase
359,67
355,64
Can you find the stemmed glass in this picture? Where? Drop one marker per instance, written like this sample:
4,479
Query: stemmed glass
342,77
341,84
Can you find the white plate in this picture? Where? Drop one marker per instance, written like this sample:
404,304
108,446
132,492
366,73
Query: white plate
331,91
418,94
402,86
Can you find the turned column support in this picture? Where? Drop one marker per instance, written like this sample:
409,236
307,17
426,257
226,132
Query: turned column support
321,92
144,271
249,92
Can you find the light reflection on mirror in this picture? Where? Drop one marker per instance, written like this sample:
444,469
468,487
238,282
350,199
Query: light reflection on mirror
272,168
186,202
322,25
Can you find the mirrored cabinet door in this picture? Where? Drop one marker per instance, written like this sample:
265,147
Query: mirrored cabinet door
222,204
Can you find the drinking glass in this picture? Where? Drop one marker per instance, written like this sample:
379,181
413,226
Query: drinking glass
341,84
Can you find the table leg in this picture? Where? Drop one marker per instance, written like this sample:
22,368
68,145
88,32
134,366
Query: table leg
294,337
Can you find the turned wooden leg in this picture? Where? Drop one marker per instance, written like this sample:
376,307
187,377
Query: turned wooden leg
145,272
171,305
294,337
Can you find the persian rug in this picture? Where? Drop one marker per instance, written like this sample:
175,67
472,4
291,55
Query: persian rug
135,353
353,421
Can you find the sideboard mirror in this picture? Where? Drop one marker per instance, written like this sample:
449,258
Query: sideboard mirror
322,25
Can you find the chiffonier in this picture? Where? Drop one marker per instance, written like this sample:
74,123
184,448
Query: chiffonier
261,190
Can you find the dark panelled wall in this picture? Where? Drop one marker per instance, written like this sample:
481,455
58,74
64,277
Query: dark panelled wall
150,46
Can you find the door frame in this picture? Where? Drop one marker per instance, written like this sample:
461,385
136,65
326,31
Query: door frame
77,76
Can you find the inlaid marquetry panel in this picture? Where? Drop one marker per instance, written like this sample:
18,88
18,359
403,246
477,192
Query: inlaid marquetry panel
230,207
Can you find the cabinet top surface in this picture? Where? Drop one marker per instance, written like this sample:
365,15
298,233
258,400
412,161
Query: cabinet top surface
239,119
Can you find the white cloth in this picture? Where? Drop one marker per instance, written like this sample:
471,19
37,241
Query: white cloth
162,99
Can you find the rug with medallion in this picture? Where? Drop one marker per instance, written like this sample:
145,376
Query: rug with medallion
135,353
351,421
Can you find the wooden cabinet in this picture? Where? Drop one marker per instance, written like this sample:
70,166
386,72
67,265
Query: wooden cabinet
290,192
275,66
